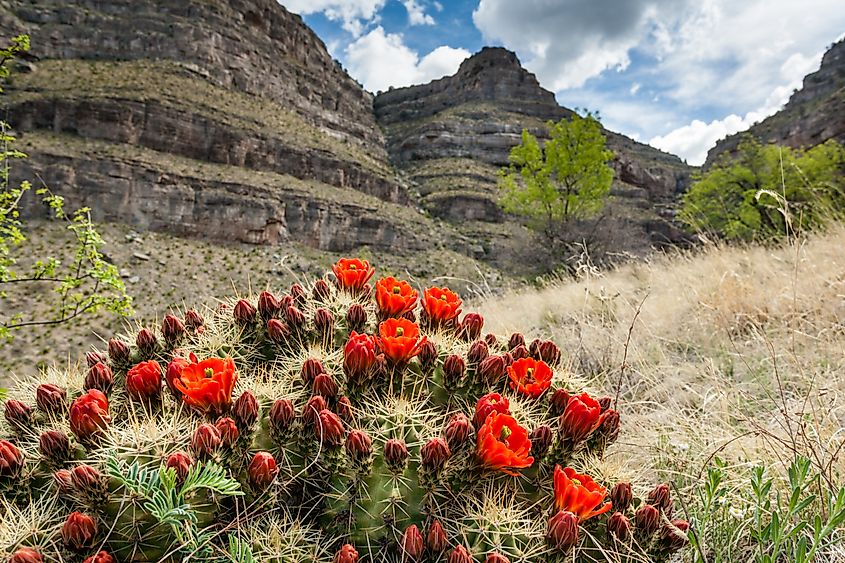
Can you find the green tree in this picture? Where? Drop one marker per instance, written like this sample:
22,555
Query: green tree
566,178
767,191
82,284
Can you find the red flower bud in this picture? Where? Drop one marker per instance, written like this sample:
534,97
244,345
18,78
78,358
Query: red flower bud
89,414
434,454
496,558
146,340
324,322
548,352
278,331
359,445
460,555
519,353
359,357
605,402
181,462
26,555
11,460
619,525
54,446
454,369
143,381
478,352
63,482
295,318
79,531
282,415
311,412
87,480
436,540
457,431
356,318
470,328
489,403
325,386
244,312
396,455
174,372
411,546
660,496
647,520
93,358
427,356
515,340
491,340
245,410
268,305
344,408
541,440
193,320
673,535
17,414
621,496
118,351
311,368
347,553
298,294
322,290
560,398
206,440
262,470
228,430
563,531
172,329
492,369
534,347
100,377
50,398
101,557
609,428
329,428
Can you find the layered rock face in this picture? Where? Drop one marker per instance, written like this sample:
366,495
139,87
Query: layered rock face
452,135
813,114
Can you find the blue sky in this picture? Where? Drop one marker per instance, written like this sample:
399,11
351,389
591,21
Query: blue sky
678,74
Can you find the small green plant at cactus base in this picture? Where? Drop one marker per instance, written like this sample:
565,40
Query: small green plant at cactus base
341,421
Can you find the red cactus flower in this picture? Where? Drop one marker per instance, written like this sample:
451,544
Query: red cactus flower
89,414
101,557
262,470
491,402
324,322
352,273
11,459
441,305
530,377
329,428
563,530
347,554
412,544
579,494
400,340
581,417
26,555
207,385
395,297
181,462
559,400
143,381
79,531
321,291
503,444
87,479
359,355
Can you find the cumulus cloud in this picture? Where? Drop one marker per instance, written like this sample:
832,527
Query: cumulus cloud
416,13
380,60
353,14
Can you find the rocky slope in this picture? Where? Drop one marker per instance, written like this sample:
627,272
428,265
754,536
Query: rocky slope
813,114
452,135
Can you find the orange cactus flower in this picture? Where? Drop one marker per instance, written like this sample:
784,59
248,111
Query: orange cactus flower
441,305
581,417
503,444
207,385
579,494
530,377
352,273
395,297
400,340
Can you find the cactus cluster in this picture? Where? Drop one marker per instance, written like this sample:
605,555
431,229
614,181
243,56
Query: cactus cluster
342,421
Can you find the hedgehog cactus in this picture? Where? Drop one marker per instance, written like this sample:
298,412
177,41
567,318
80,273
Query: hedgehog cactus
338,422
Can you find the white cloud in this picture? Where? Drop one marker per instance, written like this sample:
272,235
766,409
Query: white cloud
416,13
354,15
380,60
635,87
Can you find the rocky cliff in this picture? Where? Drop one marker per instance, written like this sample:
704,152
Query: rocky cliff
813,114
452,135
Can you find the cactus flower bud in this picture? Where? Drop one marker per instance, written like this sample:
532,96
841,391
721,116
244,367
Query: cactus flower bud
478,352
541,440
559,400
282,415
92,358
172,329
118,351
359,357
412,545
311,412
460,555
79,531
26,555
298,294
427,356
143,381
87,480
100,557
244,312
174,372
347,554
562,532
534,347
245,410
492,369
322,290
344,408
457,431
54,446
548,352
89,414
673,535
63,481
516,339
454,369
11,460
660,496
359,445
268,305
356,318
621,496
647,520
17,414
436,540
193,320
181,463
262,470
329,428
609,427
295,318
50,398
278,331
311,368
228,430
434,454
489,403
324,322
325,386
470,327
396,455
146,340
206,440
519,353
100,377
619,525
605,402
496,558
